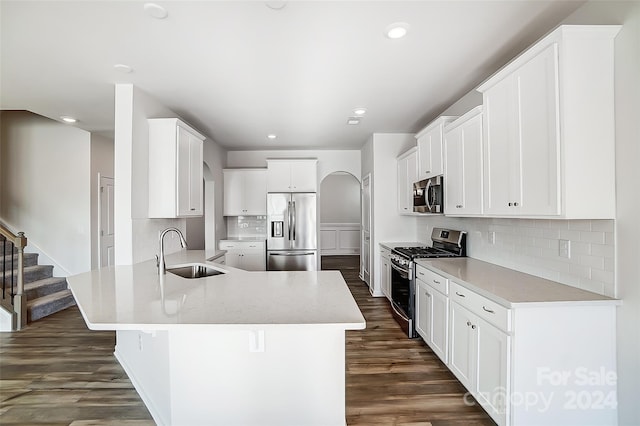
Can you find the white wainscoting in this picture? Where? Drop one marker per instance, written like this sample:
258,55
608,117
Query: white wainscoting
339,238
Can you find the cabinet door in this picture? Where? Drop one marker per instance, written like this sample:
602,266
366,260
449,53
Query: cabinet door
234,259
233,192
403,206
439,331
454,172
255,192
279,177
430,154
412,176
189,174
500,123
252,261
537,83
407,175
303,176
493,349
424,310
385,272
471,167
462,355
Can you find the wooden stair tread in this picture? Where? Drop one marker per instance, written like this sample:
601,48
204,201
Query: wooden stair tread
49,298
43,282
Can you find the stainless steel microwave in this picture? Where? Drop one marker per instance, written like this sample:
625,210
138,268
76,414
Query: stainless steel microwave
428,195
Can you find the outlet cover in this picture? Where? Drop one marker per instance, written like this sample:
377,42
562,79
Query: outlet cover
564,248
492,237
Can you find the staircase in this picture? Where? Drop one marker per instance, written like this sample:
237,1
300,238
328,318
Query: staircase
45,293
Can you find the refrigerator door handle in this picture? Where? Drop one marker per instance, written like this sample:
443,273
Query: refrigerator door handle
289,218
293,221
310,253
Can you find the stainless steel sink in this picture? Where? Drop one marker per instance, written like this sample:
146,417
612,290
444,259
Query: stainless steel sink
194,270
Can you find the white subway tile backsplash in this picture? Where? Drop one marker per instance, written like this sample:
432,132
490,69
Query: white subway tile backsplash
578,247
531,246
580,271
609,264
570,235
602,225
602,250
593,237
580,225
592,261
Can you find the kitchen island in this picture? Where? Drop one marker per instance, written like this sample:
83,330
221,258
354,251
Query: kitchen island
240,348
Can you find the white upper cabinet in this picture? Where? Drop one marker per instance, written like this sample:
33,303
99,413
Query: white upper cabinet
549,147
430,149
299,175
245,192
175,169
463,165
407,175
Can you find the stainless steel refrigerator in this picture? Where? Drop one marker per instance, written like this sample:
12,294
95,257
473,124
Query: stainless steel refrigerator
292,243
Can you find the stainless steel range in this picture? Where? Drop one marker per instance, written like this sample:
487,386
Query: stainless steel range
445,243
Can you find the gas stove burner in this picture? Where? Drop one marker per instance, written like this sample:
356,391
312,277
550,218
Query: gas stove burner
417,252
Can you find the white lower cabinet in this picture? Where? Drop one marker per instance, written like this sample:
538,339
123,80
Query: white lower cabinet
534,358
480,360
432,311
247,255
385,271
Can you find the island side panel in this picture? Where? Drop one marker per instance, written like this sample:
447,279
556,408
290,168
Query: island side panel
288,375
145,358
564,365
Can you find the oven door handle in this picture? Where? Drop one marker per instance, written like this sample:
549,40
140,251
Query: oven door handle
393,306
408,271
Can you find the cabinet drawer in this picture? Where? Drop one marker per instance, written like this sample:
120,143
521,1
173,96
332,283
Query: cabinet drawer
241,245
436,281
486,309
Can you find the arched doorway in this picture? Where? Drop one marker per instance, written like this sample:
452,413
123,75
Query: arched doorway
339,216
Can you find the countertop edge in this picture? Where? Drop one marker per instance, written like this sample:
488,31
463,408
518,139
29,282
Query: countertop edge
524,304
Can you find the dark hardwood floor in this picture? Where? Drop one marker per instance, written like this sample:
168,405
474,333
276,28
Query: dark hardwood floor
393,380
57,372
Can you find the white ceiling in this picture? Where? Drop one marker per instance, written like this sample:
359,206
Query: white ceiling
238,70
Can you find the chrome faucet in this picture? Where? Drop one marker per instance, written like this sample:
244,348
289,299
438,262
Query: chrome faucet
162,267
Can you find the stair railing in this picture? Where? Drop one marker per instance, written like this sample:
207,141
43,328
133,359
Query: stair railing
12,245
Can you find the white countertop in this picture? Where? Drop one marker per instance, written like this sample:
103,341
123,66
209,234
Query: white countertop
135,297
508,287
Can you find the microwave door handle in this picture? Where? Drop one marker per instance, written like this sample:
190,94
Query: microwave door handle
427,194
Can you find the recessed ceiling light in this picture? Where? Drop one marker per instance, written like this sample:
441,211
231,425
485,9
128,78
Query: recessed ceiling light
397,30
352,121
125,69
155,10
271,136
360,111
68,119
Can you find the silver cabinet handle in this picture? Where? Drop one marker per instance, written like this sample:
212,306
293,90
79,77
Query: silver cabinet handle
421,273
473,327
468,323
436,281
460,294
488,310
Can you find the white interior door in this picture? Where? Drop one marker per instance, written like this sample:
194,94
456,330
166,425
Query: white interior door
365,257
106,231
